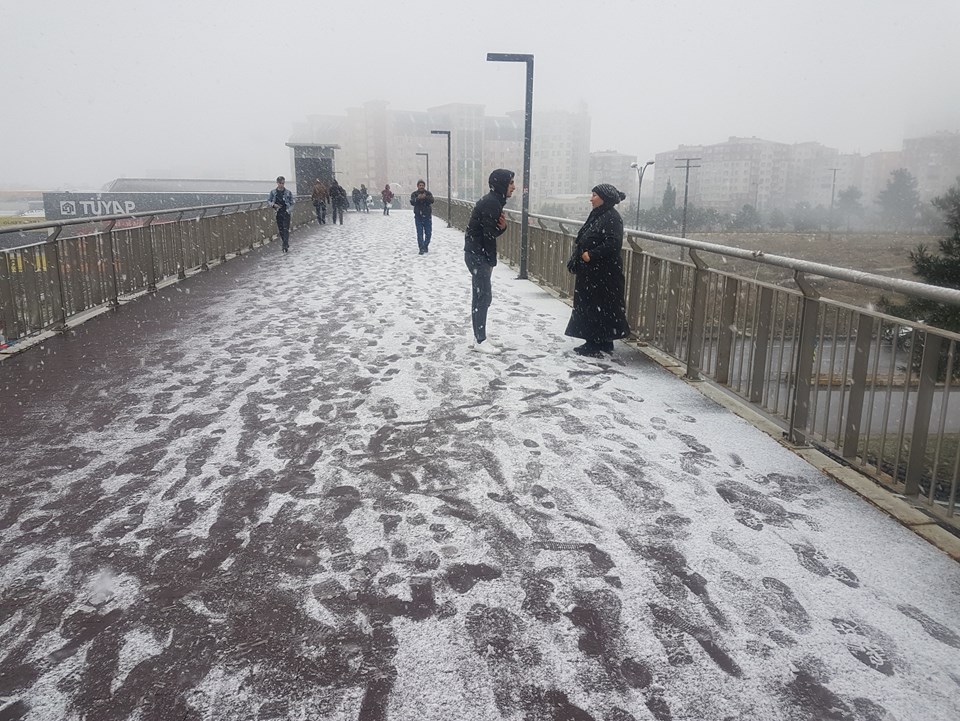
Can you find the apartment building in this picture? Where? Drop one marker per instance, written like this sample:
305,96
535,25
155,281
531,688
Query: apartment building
379,145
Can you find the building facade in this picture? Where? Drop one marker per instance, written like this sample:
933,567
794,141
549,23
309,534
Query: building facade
379,145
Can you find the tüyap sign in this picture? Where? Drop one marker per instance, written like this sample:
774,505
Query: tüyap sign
64,206
69,208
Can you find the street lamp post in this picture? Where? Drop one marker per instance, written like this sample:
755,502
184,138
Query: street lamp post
527,132
449,195
640,171
427,156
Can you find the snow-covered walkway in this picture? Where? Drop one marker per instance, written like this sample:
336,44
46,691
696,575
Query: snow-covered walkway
285,489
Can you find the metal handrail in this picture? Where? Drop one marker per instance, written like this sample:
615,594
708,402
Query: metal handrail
45,282
935,293
877,391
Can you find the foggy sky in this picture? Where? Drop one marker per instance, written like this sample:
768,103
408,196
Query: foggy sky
211,88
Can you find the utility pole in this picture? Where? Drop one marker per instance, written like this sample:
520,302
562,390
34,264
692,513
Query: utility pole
686,189
833,187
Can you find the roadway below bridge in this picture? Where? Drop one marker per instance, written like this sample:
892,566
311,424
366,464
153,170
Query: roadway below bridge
286,489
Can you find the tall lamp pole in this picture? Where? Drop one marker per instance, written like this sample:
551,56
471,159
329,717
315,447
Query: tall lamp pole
640,171
527,132
427,156
449,195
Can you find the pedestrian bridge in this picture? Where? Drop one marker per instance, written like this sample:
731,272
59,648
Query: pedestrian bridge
284,488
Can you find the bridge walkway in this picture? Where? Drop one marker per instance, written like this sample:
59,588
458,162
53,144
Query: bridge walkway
286,489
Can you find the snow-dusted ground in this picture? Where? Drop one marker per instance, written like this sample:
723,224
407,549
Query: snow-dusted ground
285,489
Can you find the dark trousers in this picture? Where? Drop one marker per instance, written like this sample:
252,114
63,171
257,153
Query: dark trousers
283,226
337,209
480,272
321,211
386,208
424,230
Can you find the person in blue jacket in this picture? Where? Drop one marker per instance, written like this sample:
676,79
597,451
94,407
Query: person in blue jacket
282,200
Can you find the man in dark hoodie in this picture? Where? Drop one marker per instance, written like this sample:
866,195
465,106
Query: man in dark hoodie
487,223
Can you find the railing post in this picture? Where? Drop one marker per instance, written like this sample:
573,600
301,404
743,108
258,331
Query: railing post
152,276
8,311
929,367
202,240
861,358
652,298
221,234
761,346
674,274
182,270
728,316
698,314
114,301
60,298
804,356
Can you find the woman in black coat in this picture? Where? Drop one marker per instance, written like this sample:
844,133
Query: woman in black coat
599,314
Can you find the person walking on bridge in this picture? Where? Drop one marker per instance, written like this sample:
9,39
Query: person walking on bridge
364,198
487,223
599,314
320,196
421,199
282,199
338,200
386,195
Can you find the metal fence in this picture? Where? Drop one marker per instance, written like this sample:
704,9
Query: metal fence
877,392
91,262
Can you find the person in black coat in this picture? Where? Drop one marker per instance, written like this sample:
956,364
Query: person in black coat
338,200
599,313
487,223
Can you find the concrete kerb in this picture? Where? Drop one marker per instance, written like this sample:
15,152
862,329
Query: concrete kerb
901,509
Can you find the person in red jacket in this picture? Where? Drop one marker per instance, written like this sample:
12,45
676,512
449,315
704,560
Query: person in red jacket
386,195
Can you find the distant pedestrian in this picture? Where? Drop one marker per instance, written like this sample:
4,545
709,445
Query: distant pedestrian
421,199
487,223
386,195
599,312
282,199
355,196
338,200
364,198
320,196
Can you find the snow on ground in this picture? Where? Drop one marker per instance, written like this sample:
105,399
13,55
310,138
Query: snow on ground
286,489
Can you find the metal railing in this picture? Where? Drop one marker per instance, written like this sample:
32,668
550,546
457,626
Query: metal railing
875,391
86,263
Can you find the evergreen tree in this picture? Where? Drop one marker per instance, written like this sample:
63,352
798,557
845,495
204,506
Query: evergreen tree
848,203
669,197
941,268
778,221
900,201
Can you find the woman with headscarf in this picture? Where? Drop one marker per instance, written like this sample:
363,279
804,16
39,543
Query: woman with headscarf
599,313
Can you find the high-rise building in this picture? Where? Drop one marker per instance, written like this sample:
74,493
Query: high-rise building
934,160
379,145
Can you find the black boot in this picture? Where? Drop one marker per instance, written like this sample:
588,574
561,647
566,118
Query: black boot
588,349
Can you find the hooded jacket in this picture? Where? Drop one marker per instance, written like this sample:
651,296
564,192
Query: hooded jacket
421,208
482,231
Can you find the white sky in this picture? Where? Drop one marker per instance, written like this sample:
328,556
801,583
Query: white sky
110,88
